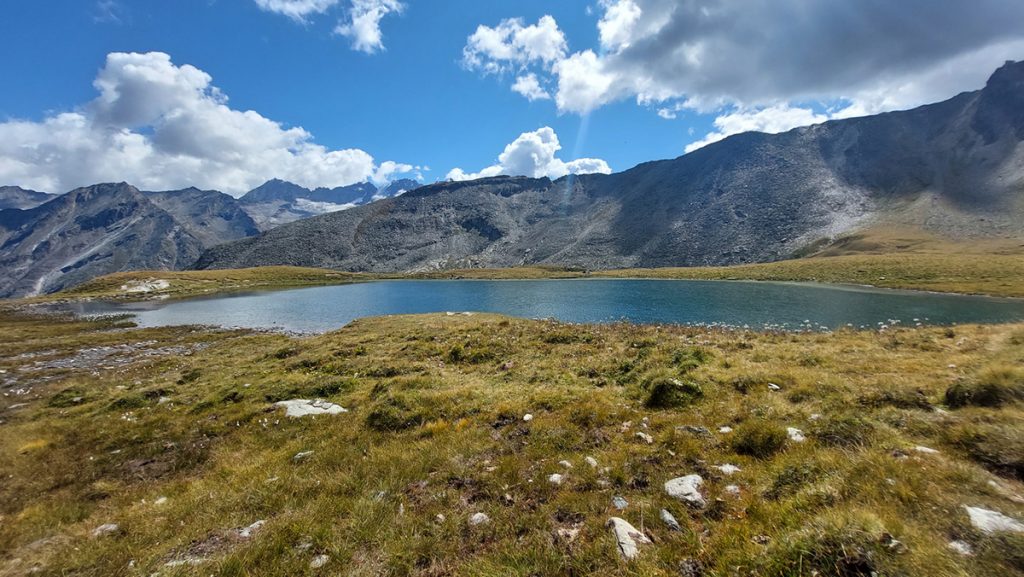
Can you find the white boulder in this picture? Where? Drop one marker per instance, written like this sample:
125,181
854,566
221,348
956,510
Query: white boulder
303,408
988,521
686,489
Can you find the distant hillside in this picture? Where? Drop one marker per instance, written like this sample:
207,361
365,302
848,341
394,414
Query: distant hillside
278,202
955,169
210,216
20,198
86,233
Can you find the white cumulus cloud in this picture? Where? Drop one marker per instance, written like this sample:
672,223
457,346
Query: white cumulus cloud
771,119
161,126
297,10
533,154
363,24
513,44
528,86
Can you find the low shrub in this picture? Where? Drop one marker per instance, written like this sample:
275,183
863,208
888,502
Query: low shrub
843,431
689,358
759,439
665,392
999,448
992,388
855,546
900,399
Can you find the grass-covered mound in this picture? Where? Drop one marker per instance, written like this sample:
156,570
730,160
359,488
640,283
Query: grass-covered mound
135,452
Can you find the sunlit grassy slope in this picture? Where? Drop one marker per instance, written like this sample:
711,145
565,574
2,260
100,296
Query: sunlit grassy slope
884,257
172,435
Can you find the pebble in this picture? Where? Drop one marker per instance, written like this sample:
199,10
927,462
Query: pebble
645,438
555,479
302,456
686,489
733,490
728,469
670,521
105,529
160,501
961,547
725,430
527,417
627,537
479,519
251,530
926,450
619,503
319,561
591,461
773,387
795,435
565,464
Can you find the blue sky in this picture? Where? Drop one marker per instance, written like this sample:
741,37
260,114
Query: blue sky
641,92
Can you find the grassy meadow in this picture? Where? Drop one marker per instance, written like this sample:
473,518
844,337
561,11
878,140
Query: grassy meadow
154,452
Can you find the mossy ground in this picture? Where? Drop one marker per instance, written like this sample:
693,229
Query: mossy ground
435,428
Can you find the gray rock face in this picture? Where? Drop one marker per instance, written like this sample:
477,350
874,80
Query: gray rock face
22,199
956,168
211,216
86,233
108,228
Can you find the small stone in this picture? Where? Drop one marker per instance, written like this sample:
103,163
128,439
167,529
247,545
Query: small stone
565,464
160,501
302,456
296,408
814,416
555,479
988,521
626,426
591,461
319,561
733,490
699,431
961,547
926,450
619,503
773,387
527,417
762,539
645,438
247,532
795,435
891,543
439,518
105,530
479,519
728,469
687,489
670,521
691,568
627,537
725,430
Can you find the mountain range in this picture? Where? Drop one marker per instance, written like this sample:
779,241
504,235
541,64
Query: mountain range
955,168
278,202
20,198
49,242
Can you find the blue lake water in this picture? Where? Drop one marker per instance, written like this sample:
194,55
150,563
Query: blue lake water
754,304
